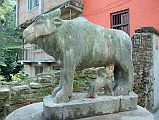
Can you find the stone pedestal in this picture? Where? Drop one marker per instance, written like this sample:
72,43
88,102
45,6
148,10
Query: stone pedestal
81,108
35,112
88,107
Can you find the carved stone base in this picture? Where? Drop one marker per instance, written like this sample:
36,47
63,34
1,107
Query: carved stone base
86,107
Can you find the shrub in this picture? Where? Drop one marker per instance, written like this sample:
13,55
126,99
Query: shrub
18,77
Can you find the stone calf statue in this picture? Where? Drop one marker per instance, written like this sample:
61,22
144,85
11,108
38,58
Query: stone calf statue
80,44
100,82
104,80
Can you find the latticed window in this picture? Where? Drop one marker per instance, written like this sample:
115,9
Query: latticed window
32,4
38,69
120,20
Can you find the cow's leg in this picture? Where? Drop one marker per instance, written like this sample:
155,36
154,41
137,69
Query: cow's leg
130,77
92,89
116,78
58,87
124,76
67,76
108,88
56,90
64,94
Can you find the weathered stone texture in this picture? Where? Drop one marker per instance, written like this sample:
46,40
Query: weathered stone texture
34,112
128,102
4,102
86,107
142,60
79,44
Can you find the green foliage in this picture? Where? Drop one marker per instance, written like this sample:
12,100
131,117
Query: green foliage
10,59
18,76
5,6
81,82
43,92
1,79
10,40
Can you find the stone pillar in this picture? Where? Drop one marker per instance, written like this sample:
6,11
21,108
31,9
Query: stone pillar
145,57
4,102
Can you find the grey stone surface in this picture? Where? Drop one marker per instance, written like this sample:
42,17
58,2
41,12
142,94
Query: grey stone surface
138,114
20,88
156,115
29,112
4,89
34,112
86,107
34,85
155,69
128,102
80,44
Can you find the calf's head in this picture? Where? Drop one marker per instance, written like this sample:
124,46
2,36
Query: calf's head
43,25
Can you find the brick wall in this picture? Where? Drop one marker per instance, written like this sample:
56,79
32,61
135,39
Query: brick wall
52,3
24,14
142,60
44,6
146,67
142,13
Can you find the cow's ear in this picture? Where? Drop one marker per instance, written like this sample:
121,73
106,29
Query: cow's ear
57,22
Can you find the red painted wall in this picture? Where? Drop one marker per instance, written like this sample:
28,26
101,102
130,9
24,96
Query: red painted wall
143,13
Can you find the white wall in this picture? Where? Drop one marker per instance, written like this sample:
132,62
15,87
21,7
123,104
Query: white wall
156,72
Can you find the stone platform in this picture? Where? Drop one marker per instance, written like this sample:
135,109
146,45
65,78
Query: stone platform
35,112
88,107
81,108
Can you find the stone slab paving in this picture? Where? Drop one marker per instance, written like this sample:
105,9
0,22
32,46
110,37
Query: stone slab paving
156,115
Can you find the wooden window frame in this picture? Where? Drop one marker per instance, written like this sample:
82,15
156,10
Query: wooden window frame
31,4
122,23
38,69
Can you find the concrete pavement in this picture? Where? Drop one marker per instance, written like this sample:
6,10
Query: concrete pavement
156,115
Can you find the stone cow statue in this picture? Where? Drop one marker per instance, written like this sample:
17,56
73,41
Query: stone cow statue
80,44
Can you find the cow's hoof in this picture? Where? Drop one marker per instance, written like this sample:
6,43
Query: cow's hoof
61,97
56,90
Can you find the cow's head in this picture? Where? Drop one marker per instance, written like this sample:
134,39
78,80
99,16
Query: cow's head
43,25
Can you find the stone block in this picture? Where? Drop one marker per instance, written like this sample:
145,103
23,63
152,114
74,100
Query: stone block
34,85
20,88
87,107
128,102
